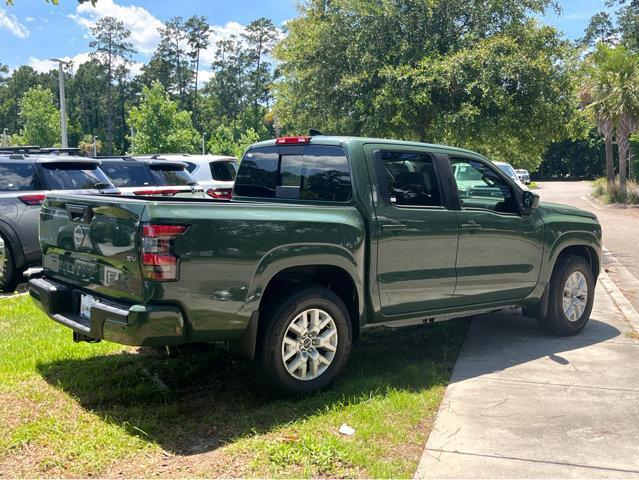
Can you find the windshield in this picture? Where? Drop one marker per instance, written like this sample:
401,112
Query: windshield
127,175
507,169
18,177
73,176
224,171
171,175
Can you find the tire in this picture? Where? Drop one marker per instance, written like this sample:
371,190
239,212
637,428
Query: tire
568,310
303,347
9,274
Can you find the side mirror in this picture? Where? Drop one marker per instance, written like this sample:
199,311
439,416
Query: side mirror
529,201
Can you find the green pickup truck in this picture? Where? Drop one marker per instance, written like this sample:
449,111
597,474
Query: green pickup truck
324,237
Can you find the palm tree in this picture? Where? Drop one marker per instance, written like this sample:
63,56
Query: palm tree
614,82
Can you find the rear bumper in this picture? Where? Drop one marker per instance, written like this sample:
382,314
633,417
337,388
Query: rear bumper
109,320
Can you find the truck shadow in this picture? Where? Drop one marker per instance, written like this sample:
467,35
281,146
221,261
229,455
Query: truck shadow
205,398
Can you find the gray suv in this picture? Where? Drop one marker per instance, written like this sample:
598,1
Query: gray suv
25,179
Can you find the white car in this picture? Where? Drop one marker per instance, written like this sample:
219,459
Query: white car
216,173
508,169
523,175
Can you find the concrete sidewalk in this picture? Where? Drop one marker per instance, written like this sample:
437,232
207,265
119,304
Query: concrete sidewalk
523,404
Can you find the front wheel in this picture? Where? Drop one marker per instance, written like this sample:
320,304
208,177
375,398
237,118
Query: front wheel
306,342
571,296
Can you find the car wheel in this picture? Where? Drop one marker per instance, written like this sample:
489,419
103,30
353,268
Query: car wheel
571,295
9,274
306,342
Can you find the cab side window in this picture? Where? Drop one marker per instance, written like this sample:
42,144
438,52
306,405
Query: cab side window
409,179
481,187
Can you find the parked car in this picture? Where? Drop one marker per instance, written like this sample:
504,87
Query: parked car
148,177
324,237
508,169
523,175
25,180
214,172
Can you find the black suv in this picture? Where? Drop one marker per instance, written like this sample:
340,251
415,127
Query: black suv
25,179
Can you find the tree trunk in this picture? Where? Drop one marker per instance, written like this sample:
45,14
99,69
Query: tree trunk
606,129
109,112
624,130
197,72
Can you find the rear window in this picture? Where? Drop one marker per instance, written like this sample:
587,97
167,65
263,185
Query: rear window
16,177
127,175
224,171
72,176
170,175
312,173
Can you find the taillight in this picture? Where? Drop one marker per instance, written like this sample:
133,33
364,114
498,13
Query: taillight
226,193
292,140
159,262
32,199
165,192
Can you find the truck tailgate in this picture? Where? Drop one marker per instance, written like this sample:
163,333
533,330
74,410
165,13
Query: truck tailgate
92,242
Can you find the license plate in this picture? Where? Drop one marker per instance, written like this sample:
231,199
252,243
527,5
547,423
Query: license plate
86,302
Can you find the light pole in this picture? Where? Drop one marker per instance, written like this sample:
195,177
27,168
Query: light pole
63,107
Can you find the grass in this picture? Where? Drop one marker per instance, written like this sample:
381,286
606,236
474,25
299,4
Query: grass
104,410
613,193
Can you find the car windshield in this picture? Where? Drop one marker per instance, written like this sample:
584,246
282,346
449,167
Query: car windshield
73,176
171,175
18,177
507,169
224,171
128,175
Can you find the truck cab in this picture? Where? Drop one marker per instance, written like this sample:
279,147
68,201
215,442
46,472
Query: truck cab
323,238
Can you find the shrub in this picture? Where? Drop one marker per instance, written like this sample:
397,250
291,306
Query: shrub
600,187
633,193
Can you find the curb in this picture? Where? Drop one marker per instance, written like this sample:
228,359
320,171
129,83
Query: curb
625,307
12,295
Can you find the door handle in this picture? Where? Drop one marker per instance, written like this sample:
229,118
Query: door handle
394,227
471,225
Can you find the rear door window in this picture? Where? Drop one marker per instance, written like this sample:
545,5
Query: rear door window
318,173
410,179
224,171
18,177
72,176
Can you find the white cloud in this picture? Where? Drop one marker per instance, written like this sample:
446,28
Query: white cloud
30,19
9,22
219,33
44,65
142,24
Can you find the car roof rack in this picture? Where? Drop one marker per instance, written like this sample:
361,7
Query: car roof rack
34,149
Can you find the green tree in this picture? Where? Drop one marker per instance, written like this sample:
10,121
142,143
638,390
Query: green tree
112,48
601,29
260,37
225,142
159,125
40,118
198,39
173,48
612,84
479,74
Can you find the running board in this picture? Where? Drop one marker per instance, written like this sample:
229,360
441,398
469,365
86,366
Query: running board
411,322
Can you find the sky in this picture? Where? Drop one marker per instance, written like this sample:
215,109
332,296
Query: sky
33,31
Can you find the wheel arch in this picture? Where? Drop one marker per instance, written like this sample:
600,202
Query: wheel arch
14,244
331,267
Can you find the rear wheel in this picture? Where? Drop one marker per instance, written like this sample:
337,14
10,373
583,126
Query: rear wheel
9,274
306,342
571,295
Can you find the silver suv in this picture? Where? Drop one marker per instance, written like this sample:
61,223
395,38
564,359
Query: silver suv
25,179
